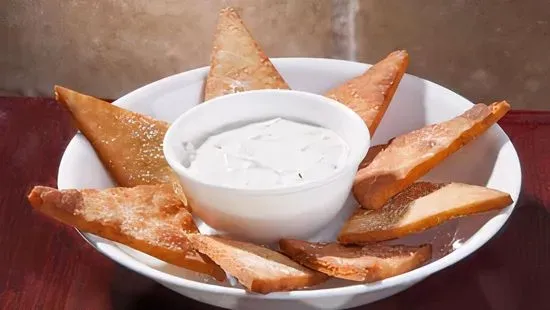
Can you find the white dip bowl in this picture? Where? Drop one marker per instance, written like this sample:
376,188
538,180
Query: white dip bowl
267,215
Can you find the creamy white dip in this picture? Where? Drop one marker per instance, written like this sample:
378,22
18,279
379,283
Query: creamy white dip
270,154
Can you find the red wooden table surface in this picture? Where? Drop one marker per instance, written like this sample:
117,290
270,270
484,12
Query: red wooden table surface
45,265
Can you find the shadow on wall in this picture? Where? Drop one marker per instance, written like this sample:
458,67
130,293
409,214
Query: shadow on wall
484,51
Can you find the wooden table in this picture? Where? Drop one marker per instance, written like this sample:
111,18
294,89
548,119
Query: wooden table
45,265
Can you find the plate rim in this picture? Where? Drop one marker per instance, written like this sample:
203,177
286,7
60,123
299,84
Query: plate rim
408,278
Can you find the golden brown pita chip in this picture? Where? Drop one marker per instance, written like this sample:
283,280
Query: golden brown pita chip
237,62
370,94
258,268
421,206
148,218
371,154
412,155
129,144
357,263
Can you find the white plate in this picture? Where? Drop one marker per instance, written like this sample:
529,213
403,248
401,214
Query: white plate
491,160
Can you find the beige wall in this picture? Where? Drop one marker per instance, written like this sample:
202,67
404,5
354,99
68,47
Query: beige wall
483,49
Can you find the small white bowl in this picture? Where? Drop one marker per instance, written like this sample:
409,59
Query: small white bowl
267,215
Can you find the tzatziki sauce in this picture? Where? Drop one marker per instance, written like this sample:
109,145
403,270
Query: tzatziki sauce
270,154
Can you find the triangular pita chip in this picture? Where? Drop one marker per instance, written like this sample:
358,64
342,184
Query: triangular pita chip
258,268
410,156
237,62
357,263
370,94
129,144
371,154
148,218
421,206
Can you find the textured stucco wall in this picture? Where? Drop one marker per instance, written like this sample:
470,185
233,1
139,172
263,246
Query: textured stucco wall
482,49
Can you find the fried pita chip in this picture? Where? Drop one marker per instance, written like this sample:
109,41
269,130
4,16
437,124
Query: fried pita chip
370,94
148,218
421,206
237,62
258,268
371,154
357,263
412,155
128,144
